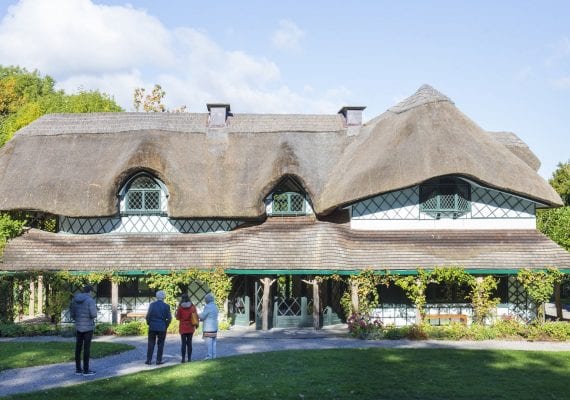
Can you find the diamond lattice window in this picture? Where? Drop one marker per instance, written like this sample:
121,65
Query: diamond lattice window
143,197
445,198
288,203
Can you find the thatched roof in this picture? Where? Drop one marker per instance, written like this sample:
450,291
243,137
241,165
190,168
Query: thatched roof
75,164
287,244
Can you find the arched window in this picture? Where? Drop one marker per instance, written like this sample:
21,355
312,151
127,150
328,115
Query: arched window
445,197
143,196
289,199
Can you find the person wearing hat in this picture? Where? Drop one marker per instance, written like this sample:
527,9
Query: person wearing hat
158,318
83,311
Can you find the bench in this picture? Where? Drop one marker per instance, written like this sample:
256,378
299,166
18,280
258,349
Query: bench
132,316
451,317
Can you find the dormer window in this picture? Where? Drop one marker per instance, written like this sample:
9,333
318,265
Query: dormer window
288,203
445,198
143,196
288,199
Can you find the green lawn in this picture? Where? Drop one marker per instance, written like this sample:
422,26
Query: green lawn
29,354
344,374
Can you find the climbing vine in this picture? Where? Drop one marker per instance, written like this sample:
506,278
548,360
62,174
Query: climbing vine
414,286
482,289
217,280
540,286
366,284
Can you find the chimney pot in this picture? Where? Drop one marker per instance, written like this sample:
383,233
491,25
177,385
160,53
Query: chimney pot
218,114
352,115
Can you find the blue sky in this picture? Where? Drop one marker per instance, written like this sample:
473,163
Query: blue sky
505,64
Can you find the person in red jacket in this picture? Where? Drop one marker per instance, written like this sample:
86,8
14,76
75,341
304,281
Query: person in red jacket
188,325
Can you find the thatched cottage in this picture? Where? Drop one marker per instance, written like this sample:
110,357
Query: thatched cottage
280,195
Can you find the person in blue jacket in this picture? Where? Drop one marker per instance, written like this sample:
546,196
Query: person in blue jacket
158,318
83,311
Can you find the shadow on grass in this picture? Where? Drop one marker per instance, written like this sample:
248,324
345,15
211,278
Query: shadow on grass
344,373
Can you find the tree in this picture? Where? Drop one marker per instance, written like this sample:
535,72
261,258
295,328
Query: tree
152,102
26,96
560,181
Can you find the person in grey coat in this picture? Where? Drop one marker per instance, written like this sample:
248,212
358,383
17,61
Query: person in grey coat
158,318
210,326
83,311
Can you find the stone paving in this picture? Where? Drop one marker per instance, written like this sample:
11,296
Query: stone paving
230,343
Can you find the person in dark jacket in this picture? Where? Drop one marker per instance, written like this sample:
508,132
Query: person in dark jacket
158,318
83,311
187,327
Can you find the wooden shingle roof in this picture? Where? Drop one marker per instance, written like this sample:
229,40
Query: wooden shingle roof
287,244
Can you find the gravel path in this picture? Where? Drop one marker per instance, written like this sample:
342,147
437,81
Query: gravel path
230,343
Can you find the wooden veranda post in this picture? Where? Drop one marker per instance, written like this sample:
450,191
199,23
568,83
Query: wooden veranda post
114,302
354,297
558,301
267,282
31,311
316,303
40,309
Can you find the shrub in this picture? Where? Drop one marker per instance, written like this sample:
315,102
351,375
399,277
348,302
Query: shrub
363,327
133,328
416,332
41,329
104,328
395,333
549,331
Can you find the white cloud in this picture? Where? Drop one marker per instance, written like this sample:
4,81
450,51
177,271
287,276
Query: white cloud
288,36
62,37
118,48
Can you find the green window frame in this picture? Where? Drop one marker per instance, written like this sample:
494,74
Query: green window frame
288,203
143,197
445,198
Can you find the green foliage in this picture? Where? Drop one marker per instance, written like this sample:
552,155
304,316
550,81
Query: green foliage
363,327
366,283
503,329
555,223
480,295
25,96
133,328
9,229
560,181
414,286
104,329
39,329
540,286
217,280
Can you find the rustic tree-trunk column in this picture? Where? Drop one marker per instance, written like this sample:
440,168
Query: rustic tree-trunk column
354,297
32,298
316,303
114,302
20,300
420,311
558,301
40,295
265,306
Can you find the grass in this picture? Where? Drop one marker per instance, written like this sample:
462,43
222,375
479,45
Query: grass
343,374
30,354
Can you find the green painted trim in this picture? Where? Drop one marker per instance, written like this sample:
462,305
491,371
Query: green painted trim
234,271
